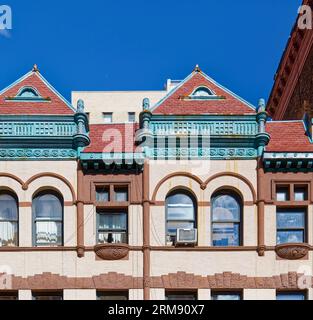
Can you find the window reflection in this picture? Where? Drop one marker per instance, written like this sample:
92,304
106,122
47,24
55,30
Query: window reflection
290,226
226,220
291,296
180,211
226,296
8,220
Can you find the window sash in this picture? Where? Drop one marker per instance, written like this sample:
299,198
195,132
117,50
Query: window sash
291,232
235,228
290,296
117,237
227,296
58,236
5,238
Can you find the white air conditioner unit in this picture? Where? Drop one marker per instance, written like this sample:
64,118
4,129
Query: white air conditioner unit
186,236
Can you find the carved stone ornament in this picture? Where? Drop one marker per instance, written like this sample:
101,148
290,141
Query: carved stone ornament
111,251
292,251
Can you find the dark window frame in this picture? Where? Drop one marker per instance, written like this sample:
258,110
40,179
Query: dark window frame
226,293
116,231
119,293
15,198
195,209
47,293
304,229
35,219
293,292
240,222
181,292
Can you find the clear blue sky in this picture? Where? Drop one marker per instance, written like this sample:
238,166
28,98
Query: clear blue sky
138,44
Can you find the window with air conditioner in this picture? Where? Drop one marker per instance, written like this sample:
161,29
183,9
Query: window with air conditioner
180,215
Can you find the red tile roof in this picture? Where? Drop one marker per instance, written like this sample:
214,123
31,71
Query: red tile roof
107,138
288,136
175,103
56,106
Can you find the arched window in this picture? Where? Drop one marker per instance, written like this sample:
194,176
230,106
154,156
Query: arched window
28,92
226,219
180,213
202,92
48,219
8,219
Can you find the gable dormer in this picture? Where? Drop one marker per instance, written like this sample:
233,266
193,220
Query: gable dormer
33,94
200,119
199,94
36,122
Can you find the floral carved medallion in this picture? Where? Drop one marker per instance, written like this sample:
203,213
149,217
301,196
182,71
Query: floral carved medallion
292,251
111,251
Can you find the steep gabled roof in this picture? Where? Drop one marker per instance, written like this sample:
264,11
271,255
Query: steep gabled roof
114,137
179,101
288,136
48,102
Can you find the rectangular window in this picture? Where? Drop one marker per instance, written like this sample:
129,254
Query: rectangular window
291,226
188,295
107,117
8,295
301,193
121,194
282,194
53,295
226,295
294,295
112,295
102,194
131,117
112,227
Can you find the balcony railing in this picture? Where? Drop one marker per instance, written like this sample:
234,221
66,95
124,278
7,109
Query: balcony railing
238,128
37,129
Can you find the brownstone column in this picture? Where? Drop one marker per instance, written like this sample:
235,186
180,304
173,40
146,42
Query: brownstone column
261,206
146,231
80,212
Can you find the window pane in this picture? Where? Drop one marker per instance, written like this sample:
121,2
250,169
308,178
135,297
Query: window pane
225,234
180,199
8,233
172,226
290,219
102,195
108,221
48,233
112,295
290,237
225,296
131,117
290,296
112,237
48,296
178,212
48,206
8,207
107,117
181,296
226,208
301,194
121,195
282,193
8,295
203,92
